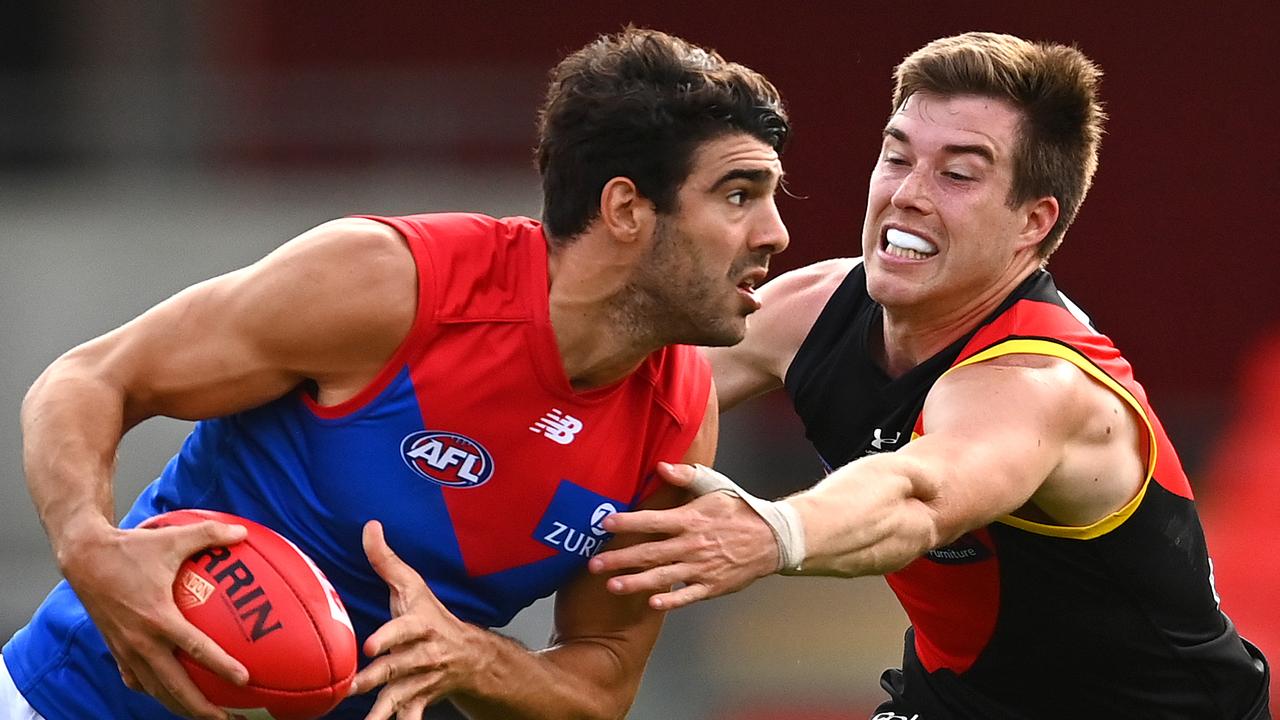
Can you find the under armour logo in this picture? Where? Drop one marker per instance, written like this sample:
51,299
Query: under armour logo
878,441
558,426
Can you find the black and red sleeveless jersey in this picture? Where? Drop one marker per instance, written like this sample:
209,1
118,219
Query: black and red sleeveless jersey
1025,620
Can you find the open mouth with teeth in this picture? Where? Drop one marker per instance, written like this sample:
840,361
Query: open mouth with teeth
751,279
902,244
747,289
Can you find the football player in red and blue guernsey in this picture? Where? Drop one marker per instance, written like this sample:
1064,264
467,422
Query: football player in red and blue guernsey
476,393
990,452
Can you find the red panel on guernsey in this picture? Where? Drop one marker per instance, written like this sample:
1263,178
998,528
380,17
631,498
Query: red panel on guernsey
1030,318
489,318
953,627
971,600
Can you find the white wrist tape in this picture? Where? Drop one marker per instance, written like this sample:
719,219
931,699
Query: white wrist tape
781,518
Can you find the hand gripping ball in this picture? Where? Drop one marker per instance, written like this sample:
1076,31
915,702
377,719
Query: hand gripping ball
268,605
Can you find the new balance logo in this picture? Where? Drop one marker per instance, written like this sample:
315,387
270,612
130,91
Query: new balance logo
558,427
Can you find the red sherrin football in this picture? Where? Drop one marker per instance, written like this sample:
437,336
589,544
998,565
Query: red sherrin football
268,605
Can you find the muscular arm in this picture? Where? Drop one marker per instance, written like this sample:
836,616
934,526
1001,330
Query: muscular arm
790,304
592,669
329,306
1014,434
1011,433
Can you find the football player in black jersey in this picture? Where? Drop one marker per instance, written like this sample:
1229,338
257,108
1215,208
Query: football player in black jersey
990,453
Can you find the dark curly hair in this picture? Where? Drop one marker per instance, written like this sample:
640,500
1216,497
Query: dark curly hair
637,104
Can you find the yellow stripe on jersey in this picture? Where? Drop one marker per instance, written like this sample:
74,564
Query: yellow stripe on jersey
1027,346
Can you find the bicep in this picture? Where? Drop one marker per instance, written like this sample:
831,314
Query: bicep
993,434
740,373
244,338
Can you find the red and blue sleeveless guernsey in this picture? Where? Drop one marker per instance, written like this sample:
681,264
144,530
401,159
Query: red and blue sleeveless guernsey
1022,620
489,472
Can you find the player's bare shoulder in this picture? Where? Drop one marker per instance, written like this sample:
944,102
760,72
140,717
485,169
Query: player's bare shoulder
350,283
807,289
362,252
789,305
792,302
350,266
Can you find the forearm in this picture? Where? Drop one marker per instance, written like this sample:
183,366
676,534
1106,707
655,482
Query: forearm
871,517
585,679
71,427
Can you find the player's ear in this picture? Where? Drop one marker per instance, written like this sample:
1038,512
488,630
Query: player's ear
624,212
1040,216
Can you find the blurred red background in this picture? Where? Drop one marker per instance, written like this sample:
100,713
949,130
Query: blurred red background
1168,252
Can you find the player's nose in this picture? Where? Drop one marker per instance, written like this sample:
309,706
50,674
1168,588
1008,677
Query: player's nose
771,234
912,193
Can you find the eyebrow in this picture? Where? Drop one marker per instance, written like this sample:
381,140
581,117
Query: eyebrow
981,151
754,175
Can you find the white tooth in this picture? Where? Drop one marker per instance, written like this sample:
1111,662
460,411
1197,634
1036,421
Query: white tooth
907,241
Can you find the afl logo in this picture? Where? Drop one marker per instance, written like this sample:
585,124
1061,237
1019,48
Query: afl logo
447,459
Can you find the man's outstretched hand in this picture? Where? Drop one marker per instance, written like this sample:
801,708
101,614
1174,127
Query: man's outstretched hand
713,545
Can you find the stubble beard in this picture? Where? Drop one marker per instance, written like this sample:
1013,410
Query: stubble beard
668,301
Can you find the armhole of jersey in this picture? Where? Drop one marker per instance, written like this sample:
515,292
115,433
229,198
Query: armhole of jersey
795,377
422,317
1033,346
685,432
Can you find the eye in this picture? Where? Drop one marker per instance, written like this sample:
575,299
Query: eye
738,197
896,160
961,177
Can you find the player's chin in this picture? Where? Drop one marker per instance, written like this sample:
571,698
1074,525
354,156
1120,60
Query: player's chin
726,331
